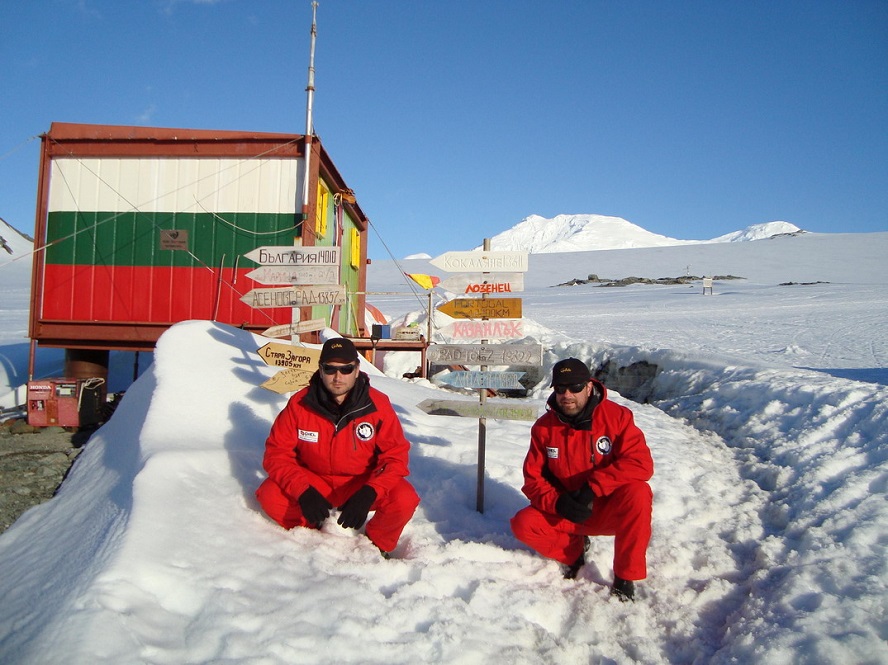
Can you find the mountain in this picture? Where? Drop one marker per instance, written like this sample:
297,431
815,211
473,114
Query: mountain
13,242
577,233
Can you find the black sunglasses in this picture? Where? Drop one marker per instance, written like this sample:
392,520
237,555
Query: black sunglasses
330,370
574,388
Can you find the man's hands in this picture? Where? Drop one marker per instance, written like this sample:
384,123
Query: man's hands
354,511
576,506
315,508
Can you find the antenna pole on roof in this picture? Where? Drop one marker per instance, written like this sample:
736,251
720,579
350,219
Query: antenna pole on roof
306,179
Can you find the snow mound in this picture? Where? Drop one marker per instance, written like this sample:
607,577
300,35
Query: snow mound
759,232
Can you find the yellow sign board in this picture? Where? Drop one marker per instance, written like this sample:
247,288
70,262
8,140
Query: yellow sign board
277,354
288,380
482,308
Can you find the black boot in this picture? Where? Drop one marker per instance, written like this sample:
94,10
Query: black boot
623,589
571,571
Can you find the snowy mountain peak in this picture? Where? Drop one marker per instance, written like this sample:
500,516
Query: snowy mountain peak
576,233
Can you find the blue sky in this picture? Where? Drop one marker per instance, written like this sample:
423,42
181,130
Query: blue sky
455,120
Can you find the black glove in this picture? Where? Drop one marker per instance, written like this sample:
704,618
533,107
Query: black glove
584,495
354,511
315,508
571,509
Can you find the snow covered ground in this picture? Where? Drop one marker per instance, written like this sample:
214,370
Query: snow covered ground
768,430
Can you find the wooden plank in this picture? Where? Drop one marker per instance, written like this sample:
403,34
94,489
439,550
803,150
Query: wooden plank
294,255
482,308
296,296
486,354
482,261
498,410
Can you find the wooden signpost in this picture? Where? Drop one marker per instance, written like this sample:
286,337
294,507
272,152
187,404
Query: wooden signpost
294,255
486,354
490,284
288,381
291,329
482,380
482,261
274,275
506,268
497,329
482,308
296,296
299,363
500,410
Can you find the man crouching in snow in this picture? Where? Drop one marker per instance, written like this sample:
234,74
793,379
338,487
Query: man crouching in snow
338,442
586,474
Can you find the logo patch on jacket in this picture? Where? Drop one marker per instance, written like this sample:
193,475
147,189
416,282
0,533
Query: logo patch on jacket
306,435
364,431
552,453
604,445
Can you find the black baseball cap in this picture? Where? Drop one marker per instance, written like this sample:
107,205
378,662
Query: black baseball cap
339,348
570,371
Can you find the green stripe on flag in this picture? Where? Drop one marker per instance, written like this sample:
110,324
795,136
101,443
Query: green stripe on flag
133,238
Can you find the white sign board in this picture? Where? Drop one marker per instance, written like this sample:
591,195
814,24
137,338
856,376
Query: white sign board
495,329
494,283
482,261
486,354
481,380
296,296
295,275
294,255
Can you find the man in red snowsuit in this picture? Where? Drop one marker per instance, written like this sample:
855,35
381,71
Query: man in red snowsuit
586,474
338,442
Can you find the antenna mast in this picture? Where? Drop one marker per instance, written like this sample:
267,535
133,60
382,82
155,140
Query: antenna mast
306,179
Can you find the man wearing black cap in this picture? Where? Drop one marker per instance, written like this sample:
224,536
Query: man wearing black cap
338,442
586,475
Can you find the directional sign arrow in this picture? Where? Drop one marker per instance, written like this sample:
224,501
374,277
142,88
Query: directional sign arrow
481,261
295,275
294,255
277,354
288,381
290,329
492,380
498,410
486,308
296,296
501,282
486,354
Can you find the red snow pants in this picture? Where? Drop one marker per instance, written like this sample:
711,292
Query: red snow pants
625,514
393,510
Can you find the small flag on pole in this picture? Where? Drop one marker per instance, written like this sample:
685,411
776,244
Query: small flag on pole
425,281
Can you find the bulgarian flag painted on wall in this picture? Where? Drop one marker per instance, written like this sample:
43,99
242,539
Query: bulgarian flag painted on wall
161,239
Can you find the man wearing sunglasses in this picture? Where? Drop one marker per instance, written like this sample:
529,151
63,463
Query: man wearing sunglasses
586,475
339,443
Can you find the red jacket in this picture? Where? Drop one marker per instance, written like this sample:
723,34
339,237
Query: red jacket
366,440
562,458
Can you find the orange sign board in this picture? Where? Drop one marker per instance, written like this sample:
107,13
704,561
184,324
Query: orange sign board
482,308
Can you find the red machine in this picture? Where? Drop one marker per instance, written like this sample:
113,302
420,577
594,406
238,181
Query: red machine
65,402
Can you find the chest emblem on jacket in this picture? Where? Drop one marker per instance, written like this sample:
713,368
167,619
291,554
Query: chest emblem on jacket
309,436
552,453
603,445
364,431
